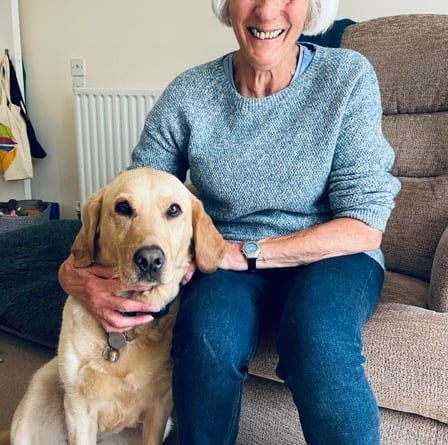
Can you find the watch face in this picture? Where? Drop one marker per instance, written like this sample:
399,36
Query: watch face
250,248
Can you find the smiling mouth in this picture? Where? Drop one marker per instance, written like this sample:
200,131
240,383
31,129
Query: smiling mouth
265,35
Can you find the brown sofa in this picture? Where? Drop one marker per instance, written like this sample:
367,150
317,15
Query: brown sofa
406,340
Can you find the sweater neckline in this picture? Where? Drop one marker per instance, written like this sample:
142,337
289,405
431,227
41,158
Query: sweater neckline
289,91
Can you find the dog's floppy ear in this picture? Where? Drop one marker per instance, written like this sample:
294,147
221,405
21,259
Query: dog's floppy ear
209,245
83,248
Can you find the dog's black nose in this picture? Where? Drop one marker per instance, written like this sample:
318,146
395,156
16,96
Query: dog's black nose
149,260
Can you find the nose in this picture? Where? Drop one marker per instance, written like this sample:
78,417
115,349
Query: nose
268,9
149,261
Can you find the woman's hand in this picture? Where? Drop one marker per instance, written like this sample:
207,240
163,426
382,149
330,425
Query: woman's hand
233,258
95,287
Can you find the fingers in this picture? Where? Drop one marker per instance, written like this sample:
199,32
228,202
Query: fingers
113,321
109,310
65,273
189,273
122,305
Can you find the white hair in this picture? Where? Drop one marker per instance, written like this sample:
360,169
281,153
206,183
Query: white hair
321,15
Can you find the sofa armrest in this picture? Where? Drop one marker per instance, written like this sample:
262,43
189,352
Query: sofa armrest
438,288
406,352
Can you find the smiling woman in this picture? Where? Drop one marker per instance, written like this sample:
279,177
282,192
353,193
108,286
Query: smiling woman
301,192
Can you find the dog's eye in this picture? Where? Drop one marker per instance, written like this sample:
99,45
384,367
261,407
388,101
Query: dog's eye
123,208
174,210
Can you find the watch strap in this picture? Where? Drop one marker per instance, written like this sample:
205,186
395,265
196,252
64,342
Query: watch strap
251,264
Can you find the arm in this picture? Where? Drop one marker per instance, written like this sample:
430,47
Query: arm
164,137
341,236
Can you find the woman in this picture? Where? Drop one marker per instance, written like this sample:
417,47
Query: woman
284,144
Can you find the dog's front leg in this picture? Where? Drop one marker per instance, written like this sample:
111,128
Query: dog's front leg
157,422
82,426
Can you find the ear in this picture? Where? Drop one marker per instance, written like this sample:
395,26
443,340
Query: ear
209,245
83,247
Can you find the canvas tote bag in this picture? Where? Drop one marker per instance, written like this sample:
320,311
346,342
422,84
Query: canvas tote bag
15,154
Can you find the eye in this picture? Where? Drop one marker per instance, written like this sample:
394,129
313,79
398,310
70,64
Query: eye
174,211
124,209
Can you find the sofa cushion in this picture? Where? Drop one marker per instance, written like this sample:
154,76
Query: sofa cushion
399,288
419,142
416,225
420,216
268,416
406,351
408,84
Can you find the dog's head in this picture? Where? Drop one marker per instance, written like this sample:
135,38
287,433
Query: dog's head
148,226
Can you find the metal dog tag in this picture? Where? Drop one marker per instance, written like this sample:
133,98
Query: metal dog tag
116,340
111,355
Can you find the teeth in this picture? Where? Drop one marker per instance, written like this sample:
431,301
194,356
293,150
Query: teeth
265,35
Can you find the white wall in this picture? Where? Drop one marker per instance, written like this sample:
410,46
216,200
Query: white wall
141,44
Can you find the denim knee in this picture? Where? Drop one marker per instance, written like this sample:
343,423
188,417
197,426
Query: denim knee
217,324
320,350
325,312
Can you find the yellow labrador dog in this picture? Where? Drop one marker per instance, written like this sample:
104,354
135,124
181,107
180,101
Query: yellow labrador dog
116,389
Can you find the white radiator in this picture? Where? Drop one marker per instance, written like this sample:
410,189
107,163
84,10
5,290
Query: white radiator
108,126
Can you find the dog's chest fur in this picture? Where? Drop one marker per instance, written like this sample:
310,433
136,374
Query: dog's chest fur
116,393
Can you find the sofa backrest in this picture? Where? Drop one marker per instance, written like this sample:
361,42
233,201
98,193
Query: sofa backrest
410,56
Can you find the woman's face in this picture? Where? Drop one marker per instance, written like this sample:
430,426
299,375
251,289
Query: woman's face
267,30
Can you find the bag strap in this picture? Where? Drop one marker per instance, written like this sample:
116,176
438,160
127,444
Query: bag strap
14,88
4,80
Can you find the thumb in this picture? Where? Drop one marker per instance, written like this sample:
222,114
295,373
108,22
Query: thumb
189,273
102,271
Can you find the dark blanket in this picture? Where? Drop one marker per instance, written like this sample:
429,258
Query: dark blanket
31,299
332,38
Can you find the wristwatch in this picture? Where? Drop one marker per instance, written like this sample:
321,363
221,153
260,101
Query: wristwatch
251,250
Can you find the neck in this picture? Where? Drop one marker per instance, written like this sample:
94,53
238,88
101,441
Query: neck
253,82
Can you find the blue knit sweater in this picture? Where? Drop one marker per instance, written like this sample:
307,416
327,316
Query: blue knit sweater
274,165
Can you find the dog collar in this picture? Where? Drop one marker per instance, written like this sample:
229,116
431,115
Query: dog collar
117,340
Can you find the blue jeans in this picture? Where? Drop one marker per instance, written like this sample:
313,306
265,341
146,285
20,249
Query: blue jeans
320,309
